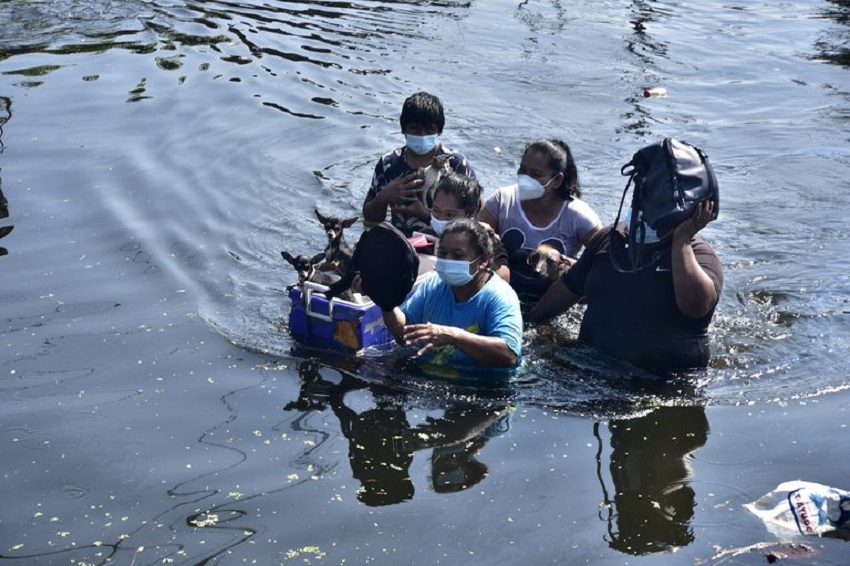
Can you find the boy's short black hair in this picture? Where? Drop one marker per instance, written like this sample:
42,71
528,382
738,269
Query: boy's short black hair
423,109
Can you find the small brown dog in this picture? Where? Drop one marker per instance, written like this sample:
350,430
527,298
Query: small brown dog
548,262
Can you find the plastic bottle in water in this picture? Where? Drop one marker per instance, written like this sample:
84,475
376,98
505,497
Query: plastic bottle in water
655,92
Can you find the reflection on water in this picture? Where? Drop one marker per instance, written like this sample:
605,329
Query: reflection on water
833,46
650,470
647,52
5,115
166,149
320,49
382,442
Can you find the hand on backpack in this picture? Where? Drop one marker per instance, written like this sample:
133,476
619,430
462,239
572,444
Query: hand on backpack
703,214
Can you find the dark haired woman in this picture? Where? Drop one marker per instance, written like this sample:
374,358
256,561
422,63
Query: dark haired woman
463,313
544,206
459,196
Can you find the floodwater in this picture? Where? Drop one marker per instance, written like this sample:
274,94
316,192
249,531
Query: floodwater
156,156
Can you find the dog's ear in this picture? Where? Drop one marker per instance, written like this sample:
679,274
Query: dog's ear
321,218
317,258
350,222
288,257
532,258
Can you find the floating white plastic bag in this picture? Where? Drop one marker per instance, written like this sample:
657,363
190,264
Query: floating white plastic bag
805,507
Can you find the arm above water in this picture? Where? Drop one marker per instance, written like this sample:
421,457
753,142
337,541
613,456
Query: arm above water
395,320
485,350
557,300
696,293
403,190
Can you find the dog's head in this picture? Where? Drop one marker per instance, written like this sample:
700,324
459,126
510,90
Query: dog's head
302,264
432,172
333,225
547,262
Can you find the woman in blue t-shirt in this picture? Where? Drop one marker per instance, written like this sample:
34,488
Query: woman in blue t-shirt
463,313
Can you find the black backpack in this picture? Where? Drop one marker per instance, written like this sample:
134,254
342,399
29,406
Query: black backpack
671,178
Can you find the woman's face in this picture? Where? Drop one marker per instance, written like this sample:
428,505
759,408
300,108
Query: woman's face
535,164
456,245
446,207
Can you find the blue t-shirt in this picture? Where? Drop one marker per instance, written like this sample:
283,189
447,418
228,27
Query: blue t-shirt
493,311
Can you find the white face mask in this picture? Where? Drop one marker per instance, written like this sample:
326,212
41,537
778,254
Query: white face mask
650,236
420,145
439,225
454,272
530,188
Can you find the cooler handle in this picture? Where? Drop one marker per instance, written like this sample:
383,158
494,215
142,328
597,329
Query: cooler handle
308,293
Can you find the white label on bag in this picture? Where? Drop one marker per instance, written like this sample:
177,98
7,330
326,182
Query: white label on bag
809,508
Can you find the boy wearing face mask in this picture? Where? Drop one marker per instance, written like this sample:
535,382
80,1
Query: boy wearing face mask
462,313
544,206
395,184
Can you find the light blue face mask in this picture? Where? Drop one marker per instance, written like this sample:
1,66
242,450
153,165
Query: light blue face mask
439,225
454,272
420,145
650,235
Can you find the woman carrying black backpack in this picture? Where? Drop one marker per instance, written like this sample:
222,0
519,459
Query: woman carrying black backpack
651,283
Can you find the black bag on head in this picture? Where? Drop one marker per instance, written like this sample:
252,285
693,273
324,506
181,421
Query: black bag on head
671,178
388,265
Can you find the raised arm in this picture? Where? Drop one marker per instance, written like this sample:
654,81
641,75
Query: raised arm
694,289
557,300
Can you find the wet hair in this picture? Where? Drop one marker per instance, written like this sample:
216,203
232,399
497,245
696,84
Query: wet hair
478,237
465,189
560,161
423,109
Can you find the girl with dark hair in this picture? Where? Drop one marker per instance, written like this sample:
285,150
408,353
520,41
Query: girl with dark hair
459,196
544,206
462,313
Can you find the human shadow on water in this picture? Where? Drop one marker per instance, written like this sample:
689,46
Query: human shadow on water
650,467
5,115
382,441
568,376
